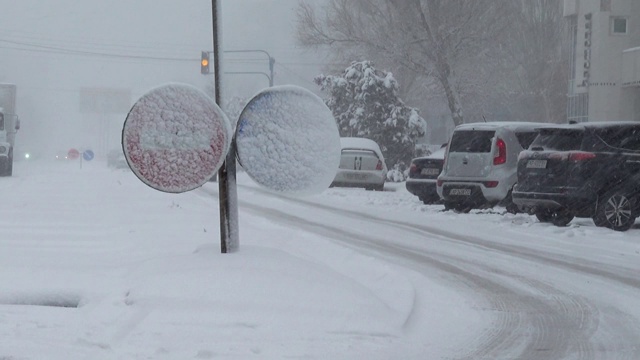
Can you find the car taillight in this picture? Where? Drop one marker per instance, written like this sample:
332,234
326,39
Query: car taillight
501,157
491,184
580,156
439,182
413,168
379,166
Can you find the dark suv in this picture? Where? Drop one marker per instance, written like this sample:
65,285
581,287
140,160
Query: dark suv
582,170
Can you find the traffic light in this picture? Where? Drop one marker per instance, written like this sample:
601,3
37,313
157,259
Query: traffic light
204,63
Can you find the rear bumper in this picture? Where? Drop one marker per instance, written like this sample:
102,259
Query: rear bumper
579,201
422,187
479,194
351,178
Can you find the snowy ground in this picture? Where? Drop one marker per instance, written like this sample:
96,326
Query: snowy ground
96,265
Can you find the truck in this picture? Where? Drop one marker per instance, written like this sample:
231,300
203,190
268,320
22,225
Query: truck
9,125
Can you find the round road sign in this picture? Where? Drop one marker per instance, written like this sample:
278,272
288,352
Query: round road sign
288,140
87,155
175,138
73,154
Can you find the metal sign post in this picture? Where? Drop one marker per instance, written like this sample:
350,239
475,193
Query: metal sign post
229,234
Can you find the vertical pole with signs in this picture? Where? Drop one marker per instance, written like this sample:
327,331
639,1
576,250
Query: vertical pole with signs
229,234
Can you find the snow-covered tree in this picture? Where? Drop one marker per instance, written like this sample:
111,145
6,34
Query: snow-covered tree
365,103
432,38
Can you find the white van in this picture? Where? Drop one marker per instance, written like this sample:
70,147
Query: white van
480,167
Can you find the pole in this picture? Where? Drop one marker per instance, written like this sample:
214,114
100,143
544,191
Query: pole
272,61
227,187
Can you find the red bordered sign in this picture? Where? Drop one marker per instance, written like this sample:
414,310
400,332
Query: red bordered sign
175,138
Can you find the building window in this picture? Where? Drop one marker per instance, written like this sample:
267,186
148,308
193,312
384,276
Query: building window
618,25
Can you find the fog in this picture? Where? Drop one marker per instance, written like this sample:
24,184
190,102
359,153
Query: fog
80,65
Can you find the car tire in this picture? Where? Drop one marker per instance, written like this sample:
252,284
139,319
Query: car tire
616,211
544,216
457,207
509,205
429,200
561,218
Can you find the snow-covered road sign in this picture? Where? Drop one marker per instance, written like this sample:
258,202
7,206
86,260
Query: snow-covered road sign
175,138
288,141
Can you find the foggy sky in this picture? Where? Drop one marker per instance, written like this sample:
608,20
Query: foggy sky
52,50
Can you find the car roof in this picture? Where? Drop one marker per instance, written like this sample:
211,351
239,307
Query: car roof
493,125
358,143
593,125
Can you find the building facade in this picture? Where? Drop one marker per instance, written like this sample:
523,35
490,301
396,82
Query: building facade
604,83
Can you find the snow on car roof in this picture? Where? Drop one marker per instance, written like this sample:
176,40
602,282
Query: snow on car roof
592,125
513,125
359,143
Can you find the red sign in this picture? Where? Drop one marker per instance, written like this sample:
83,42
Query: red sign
175,138
73,154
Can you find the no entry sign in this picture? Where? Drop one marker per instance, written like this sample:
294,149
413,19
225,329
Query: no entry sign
175,138
73,154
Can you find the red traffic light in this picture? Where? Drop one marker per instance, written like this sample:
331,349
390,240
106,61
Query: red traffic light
204,63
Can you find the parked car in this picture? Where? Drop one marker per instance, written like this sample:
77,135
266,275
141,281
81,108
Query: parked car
583,170
423,175
361,164
480,165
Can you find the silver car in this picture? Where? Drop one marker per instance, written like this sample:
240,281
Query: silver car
361,165
480,167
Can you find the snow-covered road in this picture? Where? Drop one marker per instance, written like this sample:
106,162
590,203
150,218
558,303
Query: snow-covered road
95,265
545,300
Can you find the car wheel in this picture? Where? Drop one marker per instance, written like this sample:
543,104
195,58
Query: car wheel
615,211
457,207
545,216
561,217
429,200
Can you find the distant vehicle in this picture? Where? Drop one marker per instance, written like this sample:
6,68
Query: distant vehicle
361,164
423,175
583,170
116,159
480,165
9,126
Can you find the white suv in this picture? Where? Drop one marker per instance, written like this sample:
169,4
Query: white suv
480,167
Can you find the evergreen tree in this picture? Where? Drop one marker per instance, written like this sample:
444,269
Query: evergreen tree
365,103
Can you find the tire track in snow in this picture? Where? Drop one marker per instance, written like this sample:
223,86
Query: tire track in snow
523,324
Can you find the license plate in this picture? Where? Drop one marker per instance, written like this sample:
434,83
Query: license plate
430,171
355,176
463,192
537,164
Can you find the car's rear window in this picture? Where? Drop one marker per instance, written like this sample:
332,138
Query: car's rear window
558,139
621,137
476,141
525,138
